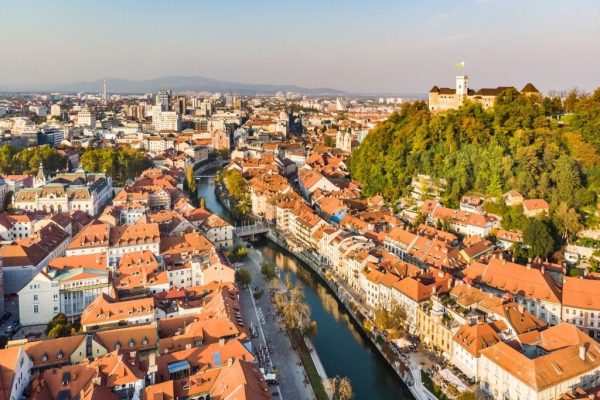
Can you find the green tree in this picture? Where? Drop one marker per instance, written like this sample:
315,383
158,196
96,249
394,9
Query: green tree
190,182
391,316
467,395
7,152
328,141
27,161
7,206
243,277
292,307
537,236
341,388
586,118
59,326
268,270
236,185
568,181
121,164
566,221
571,100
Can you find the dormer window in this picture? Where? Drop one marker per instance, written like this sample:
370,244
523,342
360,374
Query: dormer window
145,340
59,355
131,343
45,357
117,346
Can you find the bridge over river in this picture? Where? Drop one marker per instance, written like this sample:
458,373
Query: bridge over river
251,230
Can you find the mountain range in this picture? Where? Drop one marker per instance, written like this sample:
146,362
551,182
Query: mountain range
175,83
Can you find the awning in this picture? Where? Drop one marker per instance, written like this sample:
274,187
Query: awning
401,342
453,379
178,366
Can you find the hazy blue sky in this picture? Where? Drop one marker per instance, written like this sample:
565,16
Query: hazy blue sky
366,46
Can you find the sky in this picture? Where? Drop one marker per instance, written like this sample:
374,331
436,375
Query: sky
368,46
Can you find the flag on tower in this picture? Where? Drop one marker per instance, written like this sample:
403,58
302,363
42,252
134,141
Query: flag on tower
460,65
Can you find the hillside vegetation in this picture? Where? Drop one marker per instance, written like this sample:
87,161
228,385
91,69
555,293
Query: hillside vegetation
515,145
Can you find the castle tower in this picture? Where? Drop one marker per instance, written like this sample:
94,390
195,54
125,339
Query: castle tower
462,88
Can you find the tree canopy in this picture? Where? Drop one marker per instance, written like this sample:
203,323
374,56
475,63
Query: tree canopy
27,161
120,164
237,187
514,145
59,326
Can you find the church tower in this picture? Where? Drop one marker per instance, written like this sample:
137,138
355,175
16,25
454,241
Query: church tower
40,178
462,88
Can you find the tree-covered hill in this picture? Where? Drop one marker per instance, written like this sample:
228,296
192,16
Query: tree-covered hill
515,145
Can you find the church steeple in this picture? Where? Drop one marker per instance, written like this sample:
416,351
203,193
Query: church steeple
40,178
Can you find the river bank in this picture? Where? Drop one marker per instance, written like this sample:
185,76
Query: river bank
344,297
342,346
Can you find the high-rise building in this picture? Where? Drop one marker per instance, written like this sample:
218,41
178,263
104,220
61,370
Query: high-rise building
104,94
163,99
229,100
166,121
239,104
55,110
86,118
180,105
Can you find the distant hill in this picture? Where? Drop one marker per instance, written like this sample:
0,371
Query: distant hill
175,83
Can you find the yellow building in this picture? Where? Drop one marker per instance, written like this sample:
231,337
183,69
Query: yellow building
441,99
436,328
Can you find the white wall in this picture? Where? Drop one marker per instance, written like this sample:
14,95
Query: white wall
39,294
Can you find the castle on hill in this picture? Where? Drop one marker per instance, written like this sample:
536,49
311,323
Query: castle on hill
441,99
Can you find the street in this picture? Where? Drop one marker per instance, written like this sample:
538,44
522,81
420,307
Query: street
259,313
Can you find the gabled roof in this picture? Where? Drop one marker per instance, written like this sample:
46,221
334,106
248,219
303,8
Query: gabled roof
53,351
581,293
8,366
475,338
515,279
560,361
529,88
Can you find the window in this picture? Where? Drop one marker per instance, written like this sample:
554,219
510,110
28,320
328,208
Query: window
35,297
36,309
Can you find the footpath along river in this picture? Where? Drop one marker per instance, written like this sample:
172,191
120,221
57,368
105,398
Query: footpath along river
341,347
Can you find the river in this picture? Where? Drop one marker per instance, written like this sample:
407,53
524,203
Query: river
342,348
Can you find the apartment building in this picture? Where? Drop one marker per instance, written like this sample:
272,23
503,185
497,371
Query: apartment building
554,362
581,304
67,285
531,287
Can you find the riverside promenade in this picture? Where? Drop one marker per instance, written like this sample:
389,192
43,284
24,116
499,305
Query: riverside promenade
260,313
400,366
407,368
